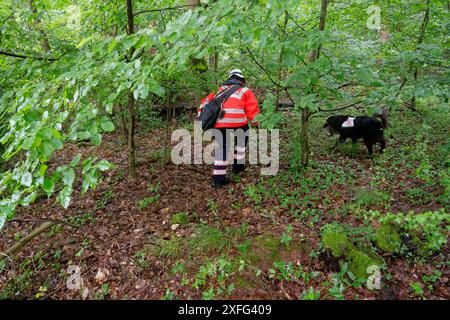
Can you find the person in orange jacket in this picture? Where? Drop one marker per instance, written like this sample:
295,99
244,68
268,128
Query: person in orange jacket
240,108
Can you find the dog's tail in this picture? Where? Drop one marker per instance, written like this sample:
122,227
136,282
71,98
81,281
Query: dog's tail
383,116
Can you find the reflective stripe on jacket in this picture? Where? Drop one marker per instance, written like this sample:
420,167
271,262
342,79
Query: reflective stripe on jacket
240,107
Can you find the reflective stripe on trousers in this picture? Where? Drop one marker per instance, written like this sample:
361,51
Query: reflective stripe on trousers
220,158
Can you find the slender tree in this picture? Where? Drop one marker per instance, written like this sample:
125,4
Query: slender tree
423,28
38,25
131,102
306,113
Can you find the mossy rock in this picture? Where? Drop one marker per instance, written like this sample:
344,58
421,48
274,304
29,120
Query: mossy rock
412,243
392,239
359,262
336,240
180,218
267,249
263,251
388,238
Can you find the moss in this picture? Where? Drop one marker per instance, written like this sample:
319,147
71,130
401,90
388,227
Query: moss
335,239
337,242
204,241
180,218
157,156
415,246
359,261
266,249
387,238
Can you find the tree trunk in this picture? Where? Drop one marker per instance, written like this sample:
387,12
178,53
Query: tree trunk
120,112
192,3
131,131
200,64
131,102
423,28
38,24
280,60
213,60
169,122
304,137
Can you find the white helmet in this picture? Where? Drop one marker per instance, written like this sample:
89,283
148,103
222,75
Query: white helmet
237,73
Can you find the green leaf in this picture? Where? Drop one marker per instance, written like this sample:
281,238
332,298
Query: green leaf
290,58
46,150
112,45
42,170
28,142
104,165
96,139
2,218
85,185
107,126
109,107
57,143
157,89
65,197
142,40
26,179
129,42
69,177
84,41
75,160
29,199
49,185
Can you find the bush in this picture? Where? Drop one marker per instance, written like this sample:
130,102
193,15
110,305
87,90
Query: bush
428,229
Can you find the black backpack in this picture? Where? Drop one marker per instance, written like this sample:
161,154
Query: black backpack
210,112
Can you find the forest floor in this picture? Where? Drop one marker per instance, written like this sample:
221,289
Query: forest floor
169,234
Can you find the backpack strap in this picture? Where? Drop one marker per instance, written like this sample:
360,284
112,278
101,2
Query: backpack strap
223,95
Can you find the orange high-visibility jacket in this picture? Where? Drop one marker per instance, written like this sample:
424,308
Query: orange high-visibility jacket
240,107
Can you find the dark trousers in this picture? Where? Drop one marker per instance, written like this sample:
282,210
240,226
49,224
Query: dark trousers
221,158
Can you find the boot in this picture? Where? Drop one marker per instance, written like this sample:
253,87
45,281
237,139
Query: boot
220,181
238,168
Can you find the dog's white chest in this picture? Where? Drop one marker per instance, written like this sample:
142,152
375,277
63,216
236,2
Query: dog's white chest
348,123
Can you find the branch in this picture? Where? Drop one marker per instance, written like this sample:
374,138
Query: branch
346,85
18,246
7,18
268,75
21,56
170,8
301,26
55,221
401,86
341,108
262,68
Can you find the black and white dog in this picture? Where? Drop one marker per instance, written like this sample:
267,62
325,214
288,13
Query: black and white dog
370,129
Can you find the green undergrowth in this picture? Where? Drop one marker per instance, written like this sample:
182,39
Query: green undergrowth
335,239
